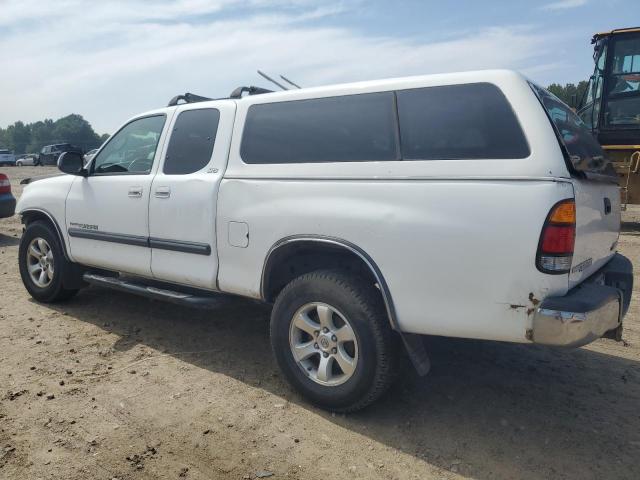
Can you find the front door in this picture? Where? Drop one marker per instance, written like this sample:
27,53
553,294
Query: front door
107,213
184,194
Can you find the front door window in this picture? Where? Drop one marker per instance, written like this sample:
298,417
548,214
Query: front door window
132,149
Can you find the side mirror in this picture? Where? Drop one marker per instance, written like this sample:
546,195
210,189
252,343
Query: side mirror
72,163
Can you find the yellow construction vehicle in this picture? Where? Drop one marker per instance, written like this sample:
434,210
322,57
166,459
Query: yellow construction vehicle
611,104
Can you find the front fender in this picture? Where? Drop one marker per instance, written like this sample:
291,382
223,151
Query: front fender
48,197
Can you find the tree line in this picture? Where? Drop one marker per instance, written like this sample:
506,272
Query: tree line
570,93
31,137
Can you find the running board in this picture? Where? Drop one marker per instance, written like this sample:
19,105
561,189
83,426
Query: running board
204,300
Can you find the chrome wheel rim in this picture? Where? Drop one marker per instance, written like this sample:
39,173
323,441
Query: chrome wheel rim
323,344
40,262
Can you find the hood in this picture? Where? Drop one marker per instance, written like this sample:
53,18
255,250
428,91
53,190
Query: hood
27,181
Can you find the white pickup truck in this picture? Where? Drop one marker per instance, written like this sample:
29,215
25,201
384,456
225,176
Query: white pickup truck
469,205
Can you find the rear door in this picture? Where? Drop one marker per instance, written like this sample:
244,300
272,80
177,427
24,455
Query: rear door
595,186
184,195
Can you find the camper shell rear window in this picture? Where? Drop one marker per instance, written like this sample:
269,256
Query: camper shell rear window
583,154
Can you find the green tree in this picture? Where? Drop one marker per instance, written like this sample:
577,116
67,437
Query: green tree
41,135
76,130
570,93
16,137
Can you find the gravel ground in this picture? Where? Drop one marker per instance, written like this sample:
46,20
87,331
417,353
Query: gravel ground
111,385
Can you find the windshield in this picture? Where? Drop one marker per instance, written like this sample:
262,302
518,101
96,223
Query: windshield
623,105
582,150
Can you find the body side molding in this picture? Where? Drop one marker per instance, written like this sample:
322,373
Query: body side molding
180,246
140,241
136,240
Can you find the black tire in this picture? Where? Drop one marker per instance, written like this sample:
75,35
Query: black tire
54,291
361,304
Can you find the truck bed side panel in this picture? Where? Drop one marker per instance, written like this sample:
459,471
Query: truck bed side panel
458,255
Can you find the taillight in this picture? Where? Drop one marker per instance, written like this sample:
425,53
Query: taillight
5,185
555,248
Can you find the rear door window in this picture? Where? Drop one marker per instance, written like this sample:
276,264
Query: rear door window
351,128
471,121
192,141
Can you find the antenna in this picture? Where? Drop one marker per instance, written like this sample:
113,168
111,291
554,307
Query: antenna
272,80
289,81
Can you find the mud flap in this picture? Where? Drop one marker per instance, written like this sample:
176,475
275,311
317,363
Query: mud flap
615,334
417,353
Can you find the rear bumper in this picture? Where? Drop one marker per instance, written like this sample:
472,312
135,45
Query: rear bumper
7,205
588,311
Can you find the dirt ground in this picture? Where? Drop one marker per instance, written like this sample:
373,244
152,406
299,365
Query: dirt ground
110,385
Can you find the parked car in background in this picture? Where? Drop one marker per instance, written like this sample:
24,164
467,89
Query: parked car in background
89,155
27,159
50,153
369,214
7,157
7,200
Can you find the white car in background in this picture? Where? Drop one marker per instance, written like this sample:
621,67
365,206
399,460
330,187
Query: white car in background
28,159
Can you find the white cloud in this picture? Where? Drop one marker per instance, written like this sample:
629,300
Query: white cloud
564,5
110,60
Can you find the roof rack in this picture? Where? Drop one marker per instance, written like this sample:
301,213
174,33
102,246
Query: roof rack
237,93
187,98
193,98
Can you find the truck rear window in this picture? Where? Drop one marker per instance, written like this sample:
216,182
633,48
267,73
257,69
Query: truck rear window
582,151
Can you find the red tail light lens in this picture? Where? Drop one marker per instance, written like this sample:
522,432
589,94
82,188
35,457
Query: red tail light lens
555,248
558,239
5,185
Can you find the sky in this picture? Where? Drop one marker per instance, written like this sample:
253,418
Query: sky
111,59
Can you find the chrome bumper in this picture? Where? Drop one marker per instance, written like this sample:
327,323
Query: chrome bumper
593,309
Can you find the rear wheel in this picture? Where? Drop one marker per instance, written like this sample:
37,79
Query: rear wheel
332,340
42,264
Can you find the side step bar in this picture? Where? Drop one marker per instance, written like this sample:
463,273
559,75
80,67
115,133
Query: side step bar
204,300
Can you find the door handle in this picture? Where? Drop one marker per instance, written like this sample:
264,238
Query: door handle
135,192
162,192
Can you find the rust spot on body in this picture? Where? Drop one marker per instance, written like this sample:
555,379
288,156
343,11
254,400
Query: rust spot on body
533,299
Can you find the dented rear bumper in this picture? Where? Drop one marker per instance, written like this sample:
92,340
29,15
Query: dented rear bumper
593,309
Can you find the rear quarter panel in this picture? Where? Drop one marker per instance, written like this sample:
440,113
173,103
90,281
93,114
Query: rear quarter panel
458,256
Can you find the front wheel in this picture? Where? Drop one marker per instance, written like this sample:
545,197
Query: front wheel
42,263
332,340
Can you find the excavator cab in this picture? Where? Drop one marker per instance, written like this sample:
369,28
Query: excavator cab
611,104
